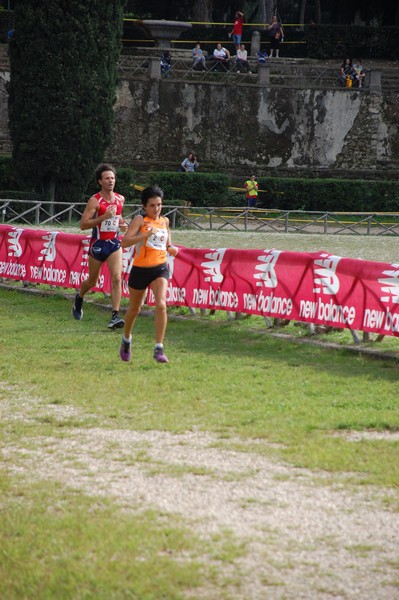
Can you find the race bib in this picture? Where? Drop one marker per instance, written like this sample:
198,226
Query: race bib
110,224
158,239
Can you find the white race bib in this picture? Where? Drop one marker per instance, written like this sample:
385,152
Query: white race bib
158,239
110,224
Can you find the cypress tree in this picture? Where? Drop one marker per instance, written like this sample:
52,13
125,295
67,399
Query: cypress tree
63,58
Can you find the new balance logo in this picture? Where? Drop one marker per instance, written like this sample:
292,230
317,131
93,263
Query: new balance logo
267,273
15,248
212,268
49,251
390,285
325,278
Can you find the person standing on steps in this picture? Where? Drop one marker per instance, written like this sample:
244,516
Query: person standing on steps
151,236
103,214
276,34
236,32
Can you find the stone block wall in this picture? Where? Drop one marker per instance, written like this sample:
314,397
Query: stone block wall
238,128
270,130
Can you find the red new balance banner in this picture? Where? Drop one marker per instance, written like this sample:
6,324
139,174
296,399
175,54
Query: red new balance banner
315,287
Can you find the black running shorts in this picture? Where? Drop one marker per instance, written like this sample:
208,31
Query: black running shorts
141,277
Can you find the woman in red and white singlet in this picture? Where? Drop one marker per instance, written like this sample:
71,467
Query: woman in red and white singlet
151,236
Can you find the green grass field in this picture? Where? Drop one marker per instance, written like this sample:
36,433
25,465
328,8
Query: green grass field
62,536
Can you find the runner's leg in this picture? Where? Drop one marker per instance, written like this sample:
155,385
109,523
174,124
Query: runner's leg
114,262
159,287
94,271
135,304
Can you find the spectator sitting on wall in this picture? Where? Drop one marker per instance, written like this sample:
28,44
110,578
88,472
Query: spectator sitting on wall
262,56
221,57
358,73
346,73
198,57
242,60
189,164
166,63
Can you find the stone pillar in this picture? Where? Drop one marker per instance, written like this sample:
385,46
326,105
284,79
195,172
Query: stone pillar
375,80
255,43
154,69
264,75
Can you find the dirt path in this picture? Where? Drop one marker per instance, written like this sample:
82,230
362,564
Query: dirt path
308,536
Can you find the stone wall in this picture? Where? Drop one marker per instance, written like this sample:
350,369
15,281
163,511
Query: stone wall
241,128
270,130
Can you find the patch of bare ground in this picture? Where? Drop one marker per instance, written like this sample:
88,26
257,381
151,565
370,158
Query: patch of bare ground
306,535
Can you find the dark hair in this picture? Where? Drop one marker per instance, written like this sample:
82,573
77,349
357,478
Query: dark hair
152,191
104,167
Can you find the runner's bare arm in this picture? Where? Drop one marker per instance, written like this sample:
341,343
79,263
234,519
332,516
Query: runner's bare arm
133,234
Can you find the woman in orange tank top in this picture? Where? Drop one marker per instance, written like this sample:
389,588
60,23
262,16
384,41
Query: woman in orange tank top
151,236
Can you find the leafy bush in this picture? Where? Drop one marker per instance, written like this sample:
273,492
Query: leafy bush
200,189
7,178
334,195
338,41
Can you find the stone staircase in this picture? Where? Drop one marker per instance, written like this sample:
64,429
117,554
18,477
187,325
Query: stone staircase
325,72
390,79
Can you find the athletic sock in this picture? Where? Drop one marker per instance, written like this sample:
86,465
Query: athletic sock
127,340
114,313
159,346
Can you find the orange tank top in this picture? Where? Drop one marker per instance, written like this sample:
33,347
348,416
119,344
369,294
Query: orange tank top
152,251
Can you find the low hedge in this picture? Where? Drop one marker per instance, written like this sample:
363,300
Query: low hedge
213,189
7,179
334,195
200,189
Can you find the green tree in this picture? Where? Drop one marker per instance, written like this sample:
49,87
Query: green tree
63,60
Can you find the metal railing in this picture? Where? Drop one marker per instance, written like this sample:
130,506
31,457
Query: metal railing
275,73
36,212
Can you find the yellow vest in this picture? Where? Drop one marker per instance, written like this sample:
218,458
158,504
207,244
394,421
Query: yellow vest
252,188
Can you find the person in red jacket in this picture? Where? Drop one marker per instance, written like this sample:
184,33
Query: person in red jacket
236,32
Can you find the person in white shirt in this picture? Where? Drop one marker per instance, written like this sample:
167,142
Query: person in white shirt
222,58
359,73
190,163
242,60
